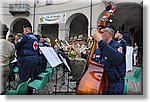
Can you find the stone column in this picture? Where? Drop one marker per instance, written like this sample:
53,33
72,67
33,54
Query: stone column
92,31
63,32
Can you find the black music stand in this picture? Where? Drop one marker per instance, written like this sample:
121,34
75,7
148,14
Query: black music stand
63,77
53,59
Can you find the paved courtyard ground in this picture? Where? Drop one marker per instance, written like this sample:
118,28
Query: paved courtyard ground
60,84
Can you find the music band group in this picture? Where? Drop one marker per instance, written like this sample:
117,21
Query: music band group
31,62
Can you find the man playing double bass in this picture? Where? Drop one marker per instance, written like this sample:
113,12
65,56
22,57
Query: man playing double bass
113,58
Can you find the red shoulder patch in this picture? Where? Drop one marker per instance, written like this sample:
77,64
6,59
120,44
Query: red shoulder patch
35,45
120,49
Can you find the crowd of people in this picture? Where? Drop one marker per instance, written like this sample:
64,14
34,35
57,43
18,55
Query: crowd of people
31,61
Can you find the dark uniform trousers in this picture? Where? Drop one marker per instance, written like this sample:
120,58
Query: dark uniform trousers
28,67
41,64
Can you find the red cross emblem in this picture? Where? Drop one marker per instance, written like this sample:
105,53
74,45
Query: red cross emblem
35,45
120,49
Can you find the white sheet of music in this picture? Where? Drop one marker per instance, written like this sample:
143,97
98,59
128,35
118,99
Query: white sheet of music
51,56
65,62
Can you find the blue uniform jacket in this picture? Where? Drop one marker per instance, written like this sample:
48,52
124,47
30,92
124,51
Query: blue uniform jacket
113,58
27,45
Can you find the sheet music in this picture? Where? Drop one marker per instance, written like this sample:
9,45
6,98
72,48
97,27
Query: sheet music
51,56
65,62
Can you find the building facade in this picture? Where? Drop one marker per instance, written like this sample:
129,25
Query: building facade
63,19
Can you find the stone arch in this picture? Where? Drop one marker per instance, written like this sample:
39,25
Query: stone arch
130,19
17,25
77,24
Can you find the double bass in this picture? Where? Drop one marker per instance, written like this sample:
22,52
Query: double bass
95,81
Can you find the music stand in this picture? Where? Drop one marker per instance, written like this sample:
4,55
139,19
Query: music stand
55,61
67,78
52,58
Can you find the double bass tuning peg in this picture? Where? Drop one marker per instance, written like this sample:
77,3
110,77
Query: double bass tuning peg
104,18
107,19
110,20
110,12
108,6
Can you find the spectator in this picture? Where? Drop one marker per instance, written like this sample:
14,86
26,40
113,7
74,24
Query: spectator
7,54
11,38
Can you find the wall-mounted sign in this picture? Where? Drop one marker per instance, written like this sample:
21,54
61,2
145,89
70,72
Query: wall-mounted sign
52,19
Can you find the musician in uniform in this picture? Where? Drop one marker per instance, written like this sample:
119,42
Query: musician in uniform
27,55
80,47
73,44
79,61
17,37
113,58
42,60
75,40
70,41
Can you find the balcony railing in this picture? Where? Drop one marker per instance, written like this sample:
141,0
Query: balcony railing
19,9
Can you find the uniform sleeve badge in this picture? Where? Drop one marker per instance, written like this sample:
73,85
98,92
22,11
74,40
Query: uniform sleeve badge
120,49
35,45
